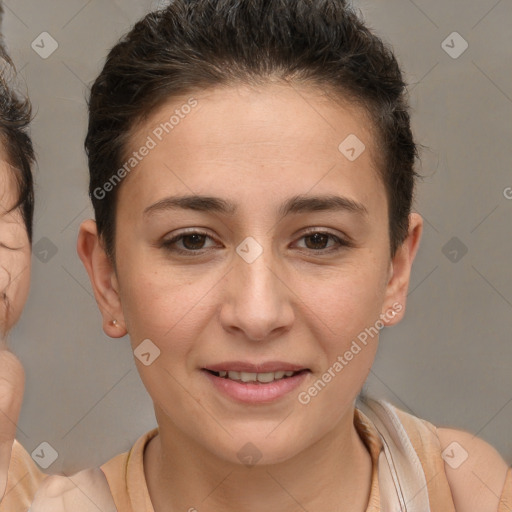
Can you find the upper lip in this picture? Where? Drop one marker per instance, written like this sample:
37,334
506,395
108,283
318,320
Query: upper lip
243,366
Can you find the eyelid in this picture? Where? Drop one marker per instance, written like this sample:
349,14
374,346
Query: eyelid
10,248
167,242
341,242
340,235
188,231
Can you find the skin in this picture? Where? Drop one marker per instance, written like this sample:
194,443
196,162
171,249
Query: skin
242,316
256,147
15,252
478,482
15,255
85,491
56,492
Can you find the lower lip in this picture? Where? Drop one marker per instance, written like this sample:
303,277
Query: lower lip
256,392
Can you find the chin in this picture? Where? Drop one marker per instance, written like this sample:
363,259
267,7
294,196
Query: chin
258,450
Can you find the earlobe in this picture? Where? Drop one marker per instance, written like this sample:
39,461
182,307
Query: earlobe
401,264
103,280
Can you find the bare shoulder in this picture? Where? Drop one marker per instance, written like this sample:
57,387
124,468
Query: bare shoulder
85,491
475,470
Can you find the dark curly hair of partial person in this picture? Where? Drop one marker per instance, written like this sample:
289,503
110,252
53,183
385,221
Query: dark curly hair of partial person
16,144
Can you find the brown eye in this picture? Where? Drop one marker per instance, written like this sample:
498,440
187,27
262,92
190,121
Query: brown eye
318,240
191,243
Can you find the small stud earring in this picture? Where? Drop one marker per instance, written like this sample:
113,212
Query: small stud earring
114,323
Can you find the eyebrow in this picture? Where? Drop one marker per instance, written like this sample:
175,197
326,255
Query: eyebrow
293,205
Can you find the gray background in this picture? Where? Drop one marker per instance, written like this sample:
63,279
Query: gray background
449,361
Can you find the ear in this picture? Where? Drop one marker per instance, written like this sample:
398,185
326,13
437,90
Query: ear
103,279
400,273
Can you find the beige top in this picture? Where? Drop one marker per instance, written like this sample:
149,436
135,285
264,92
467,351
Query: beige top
126,480
125,472
23,480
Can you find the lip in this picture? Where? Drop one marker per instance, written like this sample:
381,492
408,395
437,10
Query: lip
256,392
266,367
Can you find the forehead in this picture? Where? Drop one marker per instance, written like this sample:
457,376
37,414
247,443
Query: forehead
277,135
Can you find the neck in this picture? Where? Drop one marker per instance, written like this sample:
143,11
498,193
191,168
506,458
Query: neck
183,476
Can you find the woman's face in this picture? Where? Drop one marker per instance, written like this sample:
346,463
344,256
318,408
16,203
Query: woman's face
256,285
14,252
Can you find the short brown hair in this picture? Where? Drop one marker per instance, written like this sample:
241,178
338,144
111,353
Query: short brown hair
196,44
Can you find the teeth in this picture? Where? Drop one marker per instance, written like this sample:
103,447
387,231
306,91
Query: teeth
253,377
246,377
265,377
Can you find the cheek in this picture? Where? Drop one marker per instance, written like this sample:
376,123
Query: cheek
346,299
169,311
347,322
342,299
162,307
14,285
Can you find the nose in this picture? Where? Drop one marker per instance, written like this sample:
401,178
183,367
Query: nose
258,300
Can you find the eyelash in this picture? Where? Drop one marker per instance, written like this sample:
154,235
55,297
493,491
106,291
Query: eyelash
167,244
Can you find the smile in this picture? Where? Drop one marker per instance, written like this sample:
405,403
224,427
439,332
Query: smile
263,378
255,387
